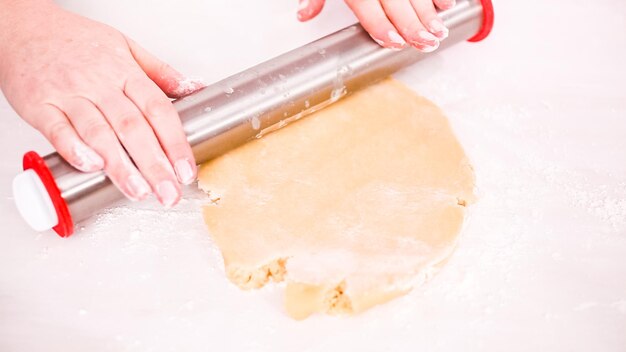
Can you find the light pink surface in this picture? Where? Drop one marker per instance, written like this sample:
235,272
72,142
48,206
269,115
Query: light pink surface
541,110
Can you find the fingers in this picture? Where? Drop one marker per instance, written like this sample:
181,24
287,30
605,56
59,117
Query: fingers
404,18
170,81
393,22
373,18
93,127
140,142
308,9
427,14
163,118
55,126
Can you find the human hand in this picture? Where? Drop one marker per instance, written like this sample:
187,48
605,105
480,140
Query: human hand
99,98
393,23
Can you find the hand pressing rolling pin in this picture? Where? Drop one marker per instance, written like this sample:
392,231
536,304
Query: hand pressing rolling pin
394,23
97,96
104,102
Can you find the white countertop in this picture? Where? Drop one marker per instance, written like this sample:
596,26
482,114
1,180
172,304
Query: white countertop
540,108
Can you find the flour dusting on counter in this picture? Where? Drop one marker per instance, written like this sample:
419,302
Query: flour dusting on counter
538,267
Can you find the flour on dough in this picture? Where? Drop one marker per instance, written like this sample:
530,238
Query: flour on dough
351,206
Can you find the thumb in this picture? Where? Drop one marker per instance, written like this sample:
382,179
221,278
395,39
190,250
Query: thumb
307,9
171,82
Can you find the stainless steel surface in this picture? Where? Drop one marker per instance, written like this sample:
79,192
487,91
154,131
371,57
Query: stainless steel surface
240,108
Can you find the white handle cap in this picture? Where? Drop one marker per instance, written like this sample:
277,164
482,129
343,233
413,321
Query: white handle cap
33,201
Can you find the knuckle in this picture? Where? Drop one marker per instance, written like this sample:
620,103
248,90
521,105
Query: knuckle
95,131
177,150
413,27
128,123
176,144
157,170
57,133
116,167
158,107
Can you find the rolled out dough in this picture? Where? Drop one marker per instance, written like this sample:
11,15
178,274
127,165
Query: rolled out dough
351,206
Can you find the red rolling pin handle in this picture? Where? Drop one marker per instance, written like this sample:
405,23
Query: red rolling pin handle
34,161
488,19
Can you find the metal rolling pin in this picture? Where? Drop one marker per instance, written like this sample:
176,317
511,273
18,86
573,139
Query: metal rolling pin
52,194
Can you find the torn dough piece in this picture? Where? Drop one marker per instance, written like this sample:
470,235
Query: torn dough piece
351,206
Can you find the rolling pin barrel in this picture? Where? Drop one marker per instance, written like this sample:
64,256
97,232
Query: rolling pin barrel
222,116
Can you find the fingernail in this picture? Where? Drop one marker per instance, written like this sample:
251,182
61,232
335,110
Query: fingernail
428,37
184,171
167,193
87,160
439,29
378,41
395,38
138,187
428,42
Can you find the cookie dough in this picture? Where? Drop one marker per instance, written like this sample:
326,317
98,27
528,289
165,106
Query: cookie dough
351,206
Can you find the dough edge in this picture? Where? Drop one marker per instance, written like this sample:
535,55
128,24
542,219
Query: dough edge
303,299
